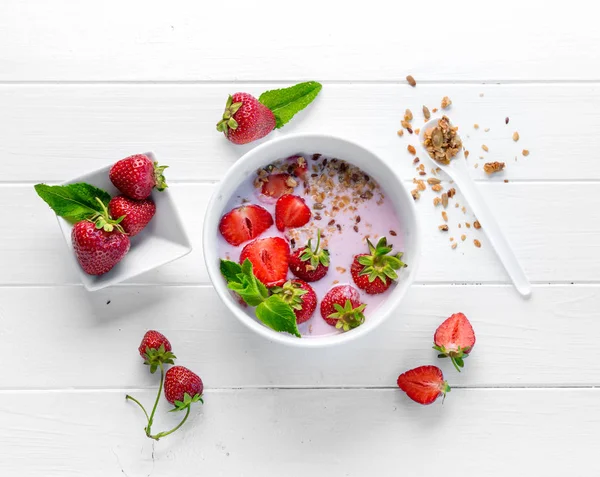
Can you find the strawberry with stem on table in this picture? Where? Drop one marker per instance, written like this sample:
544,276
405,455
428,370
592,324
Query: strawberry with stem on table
455,339
375,271
247,119
310,264
423,384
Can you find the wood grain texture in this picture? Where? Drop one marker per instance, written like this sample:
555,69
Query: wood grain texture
144,41
69,338
57,132
304,432
549,226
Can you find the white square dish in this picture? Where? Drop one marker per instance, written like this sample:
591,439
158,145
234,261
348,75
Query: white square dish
163,240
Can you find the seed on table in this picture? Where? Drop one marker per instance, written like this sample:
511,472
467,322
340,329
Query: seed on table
463,237
433,180
476,224
525,152
445,200
443,228
477,243
400,132
411,149
454,245
506,120
515,136
393,233
444,216
426,112
476,126
485,148
411,81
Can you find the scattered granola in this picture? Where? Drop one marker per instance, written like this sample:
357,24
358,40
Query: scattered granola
417,131
408,115
463,237
485,148
433,180
436,201
506,120
411,149
400,132
466,154
443,228
444,216
468,224
476,224
411,81
426,113
454,245
451,192
515,136
445,200
437,187
476,126
493,167
477,243
525,152
442,142
486,130
446,102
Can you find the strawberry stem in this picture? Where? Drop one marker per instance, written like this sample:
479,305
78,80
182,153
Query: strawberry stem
160,386
455,363
131,398
166,433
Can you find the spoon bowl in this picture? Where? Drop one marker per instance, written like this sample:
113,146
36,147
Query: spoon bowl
457,171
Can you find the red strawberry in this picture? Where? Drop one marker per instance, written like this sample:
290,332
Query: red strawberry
244,223
291,211
245,119
423,384
308,264
300,296
155,348
341,307
98,250
455,339
136,176
277,185
375,272
137,213
269,257
180,381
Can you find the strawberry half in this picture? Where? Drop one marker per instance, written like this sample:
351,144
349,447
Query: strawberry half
290,212
244,223
277,185
300,296
374,272
423,384
341,307
455,339
270,257
308,264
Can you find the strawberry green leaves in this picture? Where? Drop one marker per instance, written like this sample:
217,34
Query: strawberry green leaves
270,310
74,202
157,356
286,102
187,401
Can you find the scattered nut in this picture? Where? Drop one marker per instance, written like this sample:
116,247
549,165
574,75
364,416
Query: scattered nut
411,149
437,187
411,81
468,224
442,141
408,115
493,167
477,243
454,245
476,224
525,152
400,132
445,200
451,192
515,136
436,201
463,237
433,180
486,130
444,216
446,102
426,113
415,194
476,126
443,228
506,120
485,148
466,154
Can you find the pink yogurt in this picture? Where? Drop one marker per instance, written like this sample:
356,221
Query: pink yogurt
377,219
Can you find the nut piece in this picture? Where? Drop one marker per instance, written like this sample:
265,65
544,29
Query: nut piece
485,148
400,132
426,113
476,126
437,187
442,142
444,216
515,136
451,192
493,167
415,194
454,245
446,102
445,200
525,152
463,237
466,154
436,201
443,228
477,243
408,116
411,81
411,149
433,181
476,224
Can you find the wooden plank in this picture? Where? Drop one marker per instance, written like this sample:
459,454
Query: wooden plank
57,132
550,234
304,432
141,40
519,343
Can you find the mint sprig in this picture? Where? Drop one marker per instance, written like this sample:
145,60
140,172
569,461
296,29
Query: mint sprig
286,102
271,310
74,202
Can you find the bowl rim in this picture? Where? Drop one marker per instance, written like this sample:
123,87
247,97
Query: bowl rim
213,215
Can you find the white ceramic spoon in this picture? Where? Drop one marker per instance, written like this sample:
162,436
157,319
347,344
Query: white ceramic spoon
457,170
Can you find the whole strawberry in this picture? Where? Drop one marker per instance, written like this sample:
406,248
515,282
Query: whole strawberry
136,176
98,250
374,272
300,296
180,381
455,339
136,213
245,119
308,264
423,384
155,348
341,307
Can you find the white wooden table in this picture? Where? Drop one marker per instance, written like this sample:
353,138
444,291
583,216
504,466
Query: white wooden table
83,84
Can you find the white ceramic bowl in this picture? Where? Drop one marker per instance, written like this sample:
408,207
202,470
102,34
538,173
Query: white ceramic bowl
330,146
163,240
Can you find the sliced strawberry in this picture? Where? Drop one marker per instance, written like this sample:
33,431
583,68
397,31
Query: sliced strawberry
291,211
298,166
455,339
244,223
269,257
278,185
423,384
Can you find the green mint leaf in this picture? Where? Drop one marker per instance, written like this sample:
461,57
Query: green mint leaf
230,270
286,102
277,315
73,202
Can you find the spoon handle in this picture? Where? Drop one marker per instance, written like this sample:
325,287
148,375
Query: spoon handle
495,235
